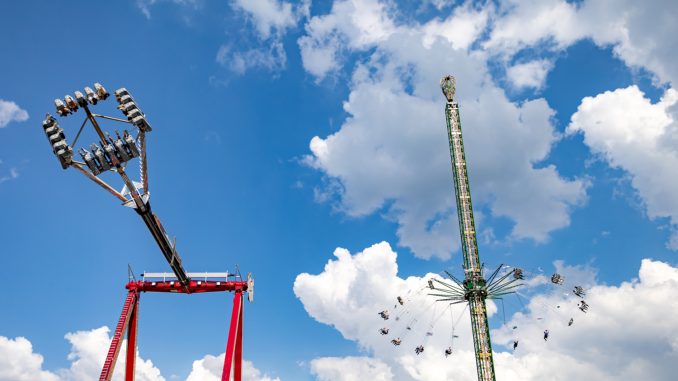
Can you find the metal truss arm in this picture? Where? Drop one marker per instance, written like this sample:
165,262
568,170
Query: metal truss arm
100,182
143,161
166,246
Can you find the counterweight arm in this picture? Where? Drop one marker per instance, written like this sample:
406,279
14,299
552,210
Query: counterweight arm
167,247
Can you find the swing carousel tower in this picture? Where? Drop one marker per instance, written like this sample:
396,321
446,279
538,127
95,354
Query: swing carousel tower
474,289
473,283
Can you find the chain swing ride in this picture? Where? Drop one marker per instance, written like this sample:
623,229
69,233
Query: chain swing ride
474,289
112,154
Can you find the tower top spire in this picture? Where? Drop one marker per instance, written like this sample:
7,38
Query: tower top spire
448,84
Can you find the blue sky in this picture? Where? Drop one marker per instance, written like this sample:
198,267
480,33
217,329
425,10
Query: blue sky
283,131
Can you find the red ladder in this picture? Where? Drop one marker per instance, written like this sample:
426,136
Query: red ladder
128,311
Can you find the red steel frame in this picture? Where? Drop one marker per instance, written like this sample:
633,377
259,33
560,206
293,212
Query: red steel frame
130,315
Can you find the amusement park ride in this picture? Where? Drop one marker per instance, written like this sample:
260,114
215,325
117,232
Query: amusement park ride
112,154
474,289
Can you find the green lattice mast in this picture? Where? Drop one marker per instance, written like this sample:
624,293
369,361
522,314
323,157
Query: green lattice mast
475,287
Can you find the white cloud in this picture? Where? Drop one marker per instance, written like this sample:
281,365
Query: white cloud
271,16
641,33
629,332
13,174
398,65
350,292
18,362
461,28
391,152
351,25
209,368
523,23
440,4
88,351
271,58
350,369
145,5
529,74
319,59
272,19
628,131
11,112
645,36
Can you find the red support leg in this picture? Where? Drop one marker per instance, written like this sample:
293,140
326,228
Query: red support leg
127,310
233,334
132,342
237,373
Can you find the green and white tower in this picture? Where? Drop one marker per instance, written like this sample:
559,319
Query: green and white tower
474,289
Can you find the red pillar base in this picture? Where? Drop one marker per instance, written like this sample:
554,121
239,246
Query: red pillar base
130,315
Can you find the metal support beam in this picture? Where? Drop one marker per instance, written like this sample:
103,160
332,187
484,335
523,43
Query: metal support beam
167,247
100,182
237,372
132,342
233,357
143,161
193,287
198,275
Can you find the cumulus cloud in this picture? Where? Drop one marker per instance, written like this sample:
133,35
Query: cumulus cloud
271,58
350,369
369,284
88,351
391,153
209,368
529,74
463,27
397,66
440,4
18,362
520,24
272,19
641,33
628,333
628,131
351,25
272,16
11,112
